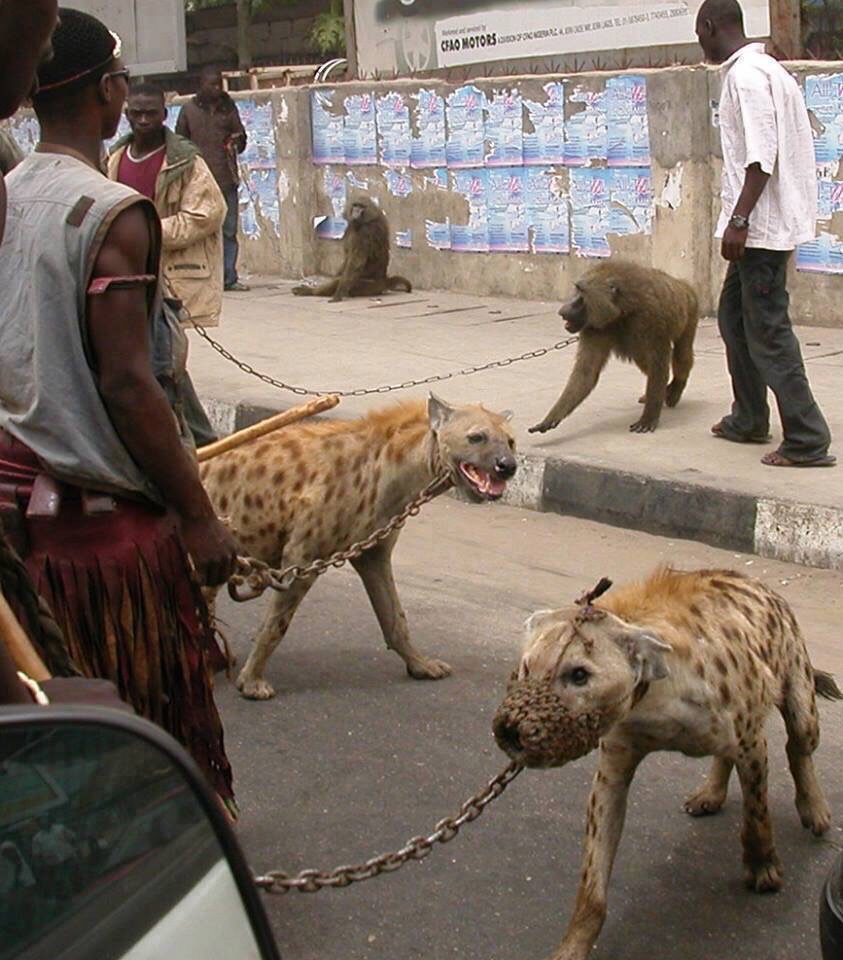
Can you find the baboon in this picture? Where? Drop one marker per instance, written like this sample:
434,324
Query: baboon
639,314
365,257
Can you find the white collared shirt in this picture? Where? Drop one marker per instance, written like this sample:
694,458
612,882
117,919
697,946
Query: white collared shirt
764,120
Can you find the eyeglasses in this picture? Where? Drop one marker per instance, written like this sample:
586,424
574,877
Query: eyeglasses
124,73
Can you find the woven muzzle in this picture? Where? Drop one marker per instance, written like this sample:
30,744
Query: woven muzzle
534,727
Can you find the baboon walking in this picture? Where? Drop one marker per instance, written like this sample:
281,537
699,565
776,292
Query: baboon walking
366,258
639,314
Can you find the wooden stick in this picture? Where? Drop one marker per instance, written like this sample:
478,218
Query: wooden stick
266,426
19,646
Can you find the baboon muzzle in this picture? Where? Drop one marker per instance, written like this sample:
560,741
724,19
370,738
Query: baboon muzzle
533,726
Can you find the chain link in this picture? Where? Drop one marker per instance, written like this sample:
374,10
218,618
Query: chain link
312,881
384,388
254,576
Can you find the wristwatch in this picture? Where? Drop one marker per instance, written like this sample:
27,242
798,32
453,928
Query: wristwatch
738,222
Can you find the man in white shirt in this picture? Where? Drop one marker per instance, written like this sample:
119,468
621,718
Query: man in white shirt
769,206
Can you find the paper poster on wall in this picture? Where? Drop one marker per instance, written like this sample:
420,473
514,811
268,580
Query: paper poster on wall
333,226
545,144
428,148
259,202
473,236
465,146
504,129
590,197
404,239
438,235
394,136
632,204
508,230
547,211
586,132
328,128
823,255
360,133
824,98
398,182
628,127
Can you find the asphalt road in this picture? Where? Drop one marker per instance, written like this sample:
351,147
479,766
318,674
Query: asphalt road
352,758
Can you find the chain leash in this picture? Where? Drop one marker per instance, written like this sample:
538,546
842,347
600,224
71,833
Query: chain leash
384,388
312,881
254,576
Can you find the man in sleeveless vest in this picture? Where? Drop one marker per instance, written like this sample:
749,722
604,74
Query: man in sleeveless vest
116,518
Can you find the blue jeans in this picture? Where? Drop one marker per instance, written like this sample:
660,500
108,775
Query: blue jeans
230,246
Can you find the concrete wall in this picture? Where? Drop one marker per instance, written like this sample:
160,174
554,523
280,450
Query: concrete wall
685,170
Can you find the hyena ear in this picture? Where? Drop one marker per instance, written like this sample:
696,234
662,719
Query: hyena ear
646,654
507,415
438,412
535,622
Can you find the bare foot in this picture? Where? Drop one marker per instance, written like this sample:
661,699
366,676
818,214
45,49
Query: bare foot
428,669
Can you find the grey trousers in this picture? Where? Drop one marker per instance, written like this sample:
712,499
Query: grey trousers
762,351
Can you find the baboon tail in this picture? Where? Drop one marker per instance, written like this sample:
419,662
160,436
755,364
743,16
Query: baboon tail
826,686
399,283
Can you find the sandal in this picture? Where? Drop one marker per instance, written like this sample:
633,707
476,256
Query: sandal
726,433
775,459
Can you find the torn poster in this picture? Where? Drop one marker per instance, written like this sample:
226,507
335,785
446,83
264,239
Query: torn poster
333,226
327,128
404,239
508,230
393,122
547,211
473,236
359,131
628,128
259,201
438,235
465,146
504,129
632,204
823,255
590,193
824,99
428,148
546,144
398,182
586,132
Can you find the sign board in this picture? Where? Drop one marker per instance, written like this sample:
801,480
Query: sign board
407,36
152,32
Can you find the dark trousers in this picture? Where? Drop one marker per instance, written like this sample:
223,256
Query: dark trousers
230,247
762,351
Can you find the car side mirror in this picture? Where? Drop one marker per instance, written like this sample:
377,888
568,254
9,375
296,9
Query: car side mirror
112,846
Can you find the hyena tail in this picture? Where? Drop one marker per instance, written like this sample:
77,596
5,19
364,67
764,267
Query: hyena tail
399,283
826,686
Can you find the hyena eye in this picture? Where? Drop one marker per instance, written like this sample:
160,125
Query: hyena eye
477,438
579,676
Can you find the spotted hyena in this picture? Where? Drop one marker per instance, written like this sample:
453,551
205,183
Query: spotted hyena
313,488
691,662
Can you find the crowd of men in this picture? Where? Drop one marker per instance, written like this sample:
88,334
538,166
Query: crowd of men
99,487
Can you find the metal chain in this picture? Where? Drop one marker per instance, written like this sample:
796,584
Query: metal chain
312,881
384,388
257,576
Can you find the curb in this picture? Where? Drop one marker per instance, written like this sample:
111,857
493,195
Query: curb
804,533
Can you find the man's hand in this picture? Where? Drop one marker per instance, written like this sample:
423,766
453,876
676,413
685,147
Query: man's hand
733,244
212,549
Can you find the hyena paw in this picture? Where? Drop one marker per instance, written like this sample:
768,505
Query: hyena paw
428,669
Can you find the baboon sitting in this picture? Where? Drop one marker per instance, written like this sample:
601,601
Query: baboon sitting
639,314
365,257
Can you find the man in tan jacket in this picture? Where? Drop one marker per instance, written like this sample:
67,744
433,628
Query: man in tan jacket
169,170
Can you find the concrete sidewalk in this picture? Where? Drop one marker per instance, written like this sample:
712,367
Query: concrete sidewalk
679,481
